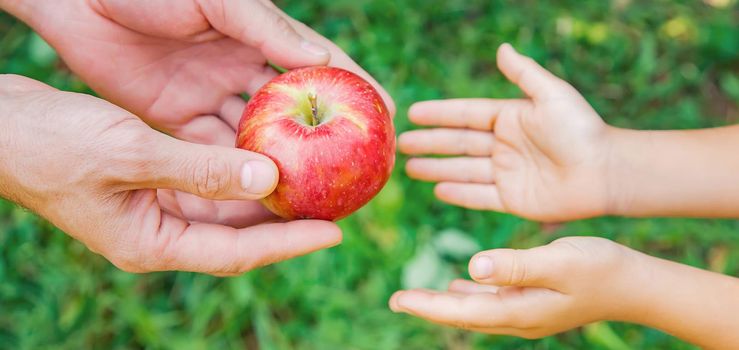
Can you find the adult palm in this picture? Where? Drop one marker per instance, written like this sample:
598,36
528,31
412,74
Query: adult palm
182,65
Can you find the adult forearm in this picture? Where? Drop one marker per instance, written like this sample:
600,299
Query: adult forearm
692,304
675,173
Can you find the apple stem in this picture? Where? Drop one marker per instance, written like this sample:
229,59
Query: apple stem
313,108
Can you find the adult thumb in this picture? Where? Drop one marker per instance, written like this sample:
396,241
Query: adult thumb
213,172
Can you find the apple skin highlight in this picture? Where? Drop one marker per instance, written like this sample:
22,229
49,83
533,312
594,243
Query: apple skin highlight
331,136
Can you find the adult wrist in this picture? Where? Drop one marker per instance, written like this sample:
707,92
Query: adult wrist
19,96
8,111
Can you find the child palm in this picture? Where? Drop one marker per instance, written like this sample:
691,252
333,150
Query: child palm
544,157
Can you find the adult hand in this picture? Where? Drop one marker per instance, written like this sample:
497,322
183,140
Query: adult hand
545,157
93,170
181,65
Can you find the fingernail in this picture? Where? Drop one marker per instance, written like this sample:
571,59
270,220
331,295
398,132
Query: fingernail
482,267
257,177
313,48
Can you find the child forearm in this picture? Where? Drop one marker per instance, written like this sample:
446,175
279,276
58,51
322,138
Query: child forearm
698,306
675,173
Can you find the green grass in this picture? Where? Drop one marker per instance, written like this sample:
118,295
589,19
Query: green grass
642,64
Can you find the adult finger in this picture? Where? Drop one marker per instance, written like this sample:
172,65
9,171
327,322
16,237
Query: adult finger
340,59
232,110
458,170
222,250
208,130
233,106
447,142
258,25
234,213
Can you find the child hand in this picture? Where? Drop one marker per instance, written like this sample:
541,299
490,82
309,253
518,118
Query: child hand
536,292
544,158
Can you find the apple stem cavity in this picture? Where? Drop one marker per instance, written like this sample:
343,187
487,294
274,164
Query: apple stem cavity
313,109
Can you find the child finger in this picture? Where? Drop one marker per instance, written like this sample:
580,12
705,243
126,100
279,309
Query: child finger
462,169
471,113
535,81
544,267
465,311
472,196
447,142
516,332
469,287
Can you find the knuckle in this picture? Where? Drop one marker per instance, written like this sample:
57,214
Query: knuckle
519,270
249,31
211,177
466,113
464,138
283,26
527,72
158,251
573,253
125,142
239,263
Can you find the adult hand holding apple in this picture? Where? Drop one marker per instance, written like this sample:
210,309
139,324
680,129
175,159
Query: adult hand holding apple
331,136
93,170
181,65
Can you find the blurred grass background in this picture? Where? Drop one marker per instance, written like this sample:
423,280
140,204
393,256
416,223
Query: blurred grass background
646,64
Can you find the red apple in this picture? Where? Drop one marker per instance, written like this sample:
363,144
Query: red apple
331,136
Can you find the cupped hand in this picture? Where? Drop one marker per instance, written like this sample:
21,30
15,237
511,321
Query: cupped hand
104,177
182,65
545,157
537,292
